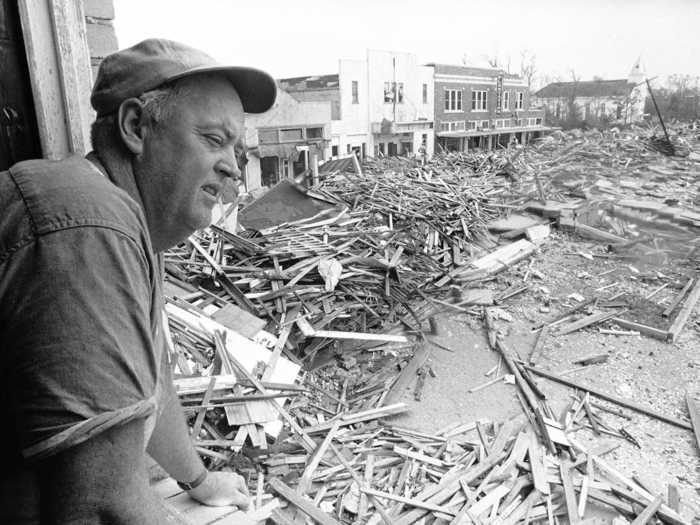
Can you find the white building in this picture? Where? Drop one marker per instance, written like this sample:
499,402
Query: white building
380,105
619,101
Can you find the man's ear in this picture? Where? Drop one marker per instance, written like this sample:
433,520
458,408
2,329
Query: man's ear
131,125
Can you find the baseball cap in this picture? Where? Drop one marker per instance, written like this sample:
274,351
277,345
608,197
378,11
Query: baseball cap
153,62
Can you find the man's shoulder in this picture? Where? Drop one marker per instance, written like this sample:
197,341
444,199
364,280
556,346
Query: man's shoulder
69,193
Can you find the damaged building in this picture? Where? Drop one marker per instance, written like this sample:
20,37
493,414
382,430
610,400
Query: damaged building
380,105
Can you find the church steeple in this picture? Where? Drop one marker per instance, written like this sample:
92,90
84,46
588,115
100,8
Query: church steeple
637,74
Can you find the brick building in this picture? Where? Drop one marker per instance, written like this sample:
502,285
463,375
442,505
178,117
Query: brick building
482,108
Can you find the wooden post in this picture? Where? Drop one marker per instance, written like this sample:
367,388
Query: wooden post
59,69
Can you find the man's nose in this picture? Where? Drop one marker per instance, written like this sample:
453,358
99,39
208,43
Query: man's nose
229,169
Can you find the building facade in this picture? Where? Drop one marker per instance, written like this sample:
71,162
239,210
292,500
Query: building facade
482,108
381,105
596,102
286,140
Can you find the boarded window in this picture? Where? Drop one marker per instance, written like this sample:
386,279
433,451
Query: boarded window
291,134
314,133
267,136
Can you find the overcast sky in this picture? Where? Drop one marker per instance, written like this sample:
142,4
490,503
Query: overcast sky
307,37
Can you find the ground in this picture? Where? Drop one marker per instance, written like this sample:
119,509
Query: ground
644,370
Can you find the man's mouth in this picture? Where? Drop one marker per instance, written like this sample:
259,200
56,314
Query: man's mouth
212,189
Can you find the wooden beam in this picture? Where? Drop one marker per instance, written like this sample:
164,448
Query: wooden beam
303,504
609,397
649,511
684,313
55,40
694,411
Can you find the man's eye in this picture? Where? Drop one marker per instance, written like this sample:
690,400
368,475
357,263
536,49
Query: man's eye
215,139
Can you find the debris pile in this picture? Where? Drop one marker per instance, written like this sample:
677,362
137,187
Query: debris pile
292,340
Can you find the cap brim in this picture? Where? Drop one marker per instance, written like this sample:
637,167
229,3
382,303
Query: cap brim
256,88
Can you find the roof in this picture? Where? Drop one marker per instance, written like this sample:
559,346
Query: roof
589,88
446,69
309,82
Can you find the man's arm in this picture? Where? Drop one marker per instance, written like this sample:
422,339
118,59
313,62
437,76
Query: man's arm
102,480
171,446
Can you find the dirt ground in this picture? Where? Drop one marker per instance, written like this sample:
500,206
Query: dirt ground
644,370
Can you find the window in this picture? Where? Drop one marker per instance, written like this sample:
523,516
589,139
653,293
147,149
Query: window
505,100
602,109
519,100
334,151
472,125
425,93
538,121
479,100
453,100
393,90
455,125
484,124
355,99
290,134
267,136
314,133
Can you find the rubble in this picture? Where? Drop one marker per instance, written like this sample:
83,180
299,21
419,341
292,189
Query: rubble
329,313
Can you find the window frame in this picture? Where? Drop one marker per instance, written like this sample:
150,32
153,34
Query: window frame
479,100
454,100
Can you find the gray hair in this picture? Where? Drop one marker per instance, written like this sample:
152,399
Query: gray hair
157,109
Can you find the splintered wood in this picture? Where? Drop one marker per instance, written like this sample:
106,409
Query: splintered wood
292,345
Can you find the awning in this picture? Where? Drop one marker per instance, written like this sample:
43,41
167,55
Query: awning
486,132
283,151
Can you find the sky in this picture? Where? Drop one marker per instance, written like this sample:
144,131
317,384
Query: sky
307,37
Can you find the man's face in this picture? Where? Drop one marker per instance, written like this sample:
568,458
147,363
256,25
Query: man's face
187,158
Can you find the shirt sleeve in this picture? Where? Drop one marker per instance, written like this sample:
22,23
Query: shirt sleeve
80,353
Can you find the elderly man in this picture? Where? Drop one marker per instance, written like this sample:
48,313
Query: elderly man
86,380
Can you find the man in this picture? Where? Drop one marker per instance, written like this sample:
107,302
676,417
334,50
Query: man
86,383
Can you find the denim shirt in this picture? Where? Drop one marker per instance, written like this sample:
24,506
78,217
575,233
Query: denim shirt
81,336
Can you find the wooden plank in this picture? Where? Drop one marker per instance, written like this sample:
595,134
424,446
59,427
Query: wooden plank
316,458
665,512
569,494
239,320
648,513
358,417
55,41
408,501
677,300
694,411
408,374
684,313
538,469
609,397
303,504
587,321
305,440
539,345
656,333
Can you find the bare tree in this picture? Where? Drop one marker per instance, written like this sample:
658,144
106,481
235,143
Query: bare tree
528,66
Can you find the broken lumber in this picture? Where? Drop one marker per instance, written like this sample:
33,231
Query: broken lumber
609,397
684,313
694,411
303,504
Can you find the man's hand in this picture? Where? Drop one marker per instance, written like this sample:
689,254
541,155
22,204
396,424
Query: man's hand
222,488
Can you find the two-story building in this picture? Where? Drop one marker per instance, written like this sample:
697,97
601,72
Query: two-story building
482,108
596,102
286,140
380,105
